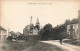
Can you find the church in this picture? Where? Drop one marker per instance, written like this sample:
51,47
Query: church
32,29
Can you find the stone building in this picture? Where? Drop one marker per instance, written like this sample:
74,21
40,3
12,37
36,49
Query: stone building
73,31
3,34
31,29
26,30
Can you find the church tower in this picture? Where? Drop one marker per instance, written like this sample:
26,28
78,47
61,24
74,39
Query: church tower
37,22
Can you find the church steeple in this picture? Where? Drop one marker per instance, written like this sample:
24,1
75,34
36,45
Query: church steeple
37,22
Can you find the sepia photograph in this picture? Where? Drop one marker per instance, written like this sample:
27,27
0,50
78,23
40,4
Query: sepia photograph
39,25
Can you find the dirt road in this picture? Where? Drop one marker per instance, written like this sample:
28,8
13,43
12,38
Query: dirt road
64,46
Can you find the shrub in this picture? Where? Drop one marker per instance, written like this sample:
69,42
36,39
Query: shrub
10,38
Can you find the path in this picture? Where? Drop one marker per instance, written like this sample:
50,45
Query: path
3,46
64,46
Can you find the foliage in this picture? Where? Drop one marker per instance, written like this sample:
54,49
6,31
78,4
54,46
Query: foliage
55,33
37,26
67,22
59,32
44,33
22,37
12,32
10,38
73,21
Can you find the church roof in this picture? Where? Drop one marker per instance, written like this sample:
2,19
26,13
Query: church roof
1,28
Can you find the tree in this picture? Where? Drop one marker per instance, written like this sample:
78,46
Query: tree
59,32
12,33
37,26
22,37
74,21
10,38
67,22
47,30
41,34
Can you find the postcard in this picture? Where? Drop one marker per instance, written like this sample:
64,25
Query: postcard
39,25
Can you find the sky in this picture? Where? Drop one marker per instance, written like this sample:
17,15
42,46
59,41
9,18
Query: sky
15,15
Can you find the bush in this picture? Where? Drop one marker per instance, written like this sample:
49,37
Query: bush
10,38
63,35
22,37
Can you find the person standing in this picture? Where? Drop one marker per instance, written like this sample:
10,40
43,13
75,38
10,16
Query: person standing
60,41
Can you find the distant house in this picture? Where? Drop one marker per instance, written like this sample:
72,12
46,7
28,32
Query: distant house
73,28
73,31
3,34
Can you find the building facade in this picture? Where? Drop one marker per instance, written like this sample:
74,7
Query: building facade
3,34
26,30
73,31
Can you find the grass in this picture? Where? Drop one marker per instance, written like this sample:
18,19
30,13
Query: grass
19,46
44,47
31,46
73,42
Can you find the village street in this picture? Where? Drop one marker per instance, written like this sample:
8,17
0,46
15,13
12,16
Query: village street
64,46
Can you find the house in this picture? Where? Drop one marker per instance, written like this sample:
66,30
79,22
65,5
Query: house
73,31
3,34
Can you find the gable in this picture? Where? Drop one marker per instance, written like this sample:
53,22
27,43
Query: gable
1,28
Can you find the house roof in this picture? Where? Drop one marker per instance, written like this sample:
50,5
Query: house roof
1,28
